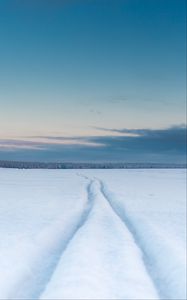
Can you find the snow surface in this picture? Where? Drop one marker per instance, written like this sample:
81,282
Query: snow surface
93,234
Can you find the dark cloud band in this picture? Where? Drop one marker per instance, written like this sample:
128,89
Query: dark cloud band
144,145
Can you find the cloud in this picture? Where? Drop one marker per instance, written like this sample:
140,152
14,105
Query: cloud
14,144
132,145
168,139
173,129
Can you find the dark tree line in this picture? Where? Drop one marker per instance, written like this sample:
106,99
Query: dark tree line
86,165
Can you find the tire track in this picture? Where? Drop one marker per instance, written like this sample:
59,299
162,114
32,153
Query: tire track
32,283
106,229
82,221
123,216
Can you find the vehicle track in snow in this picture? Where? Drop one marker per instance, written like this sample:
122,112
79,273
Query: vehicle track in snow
66,275
81,222
27,286
122,214
30,285
125,219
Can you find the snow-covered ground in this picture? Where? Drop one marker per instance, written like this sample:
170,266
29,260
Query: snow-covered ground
92,234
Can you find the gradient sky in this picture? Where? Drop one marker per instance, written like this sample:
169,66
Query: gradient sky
92,80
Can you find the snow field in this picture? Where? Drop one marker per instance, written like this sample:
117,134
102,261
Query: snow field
92,234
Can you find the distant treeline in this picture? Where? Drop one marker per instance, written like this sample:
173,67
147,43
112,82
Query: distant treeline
82,165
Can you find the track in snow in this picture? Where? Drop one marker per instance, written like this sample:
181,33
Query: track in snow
123,216
30,284
103,233
46,259
80,223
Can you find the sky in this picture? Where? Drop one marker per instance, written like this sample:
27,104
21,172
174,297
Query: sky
93,80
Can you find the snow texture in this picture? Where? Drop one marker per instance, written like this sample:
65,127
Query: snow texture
92,234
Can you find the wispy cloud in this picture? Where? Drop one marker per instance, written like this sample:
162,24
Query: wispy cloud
14,144
131,145
176,129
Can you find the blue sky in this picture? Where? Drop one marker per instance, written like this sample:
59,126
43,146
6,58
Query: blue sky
79,78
